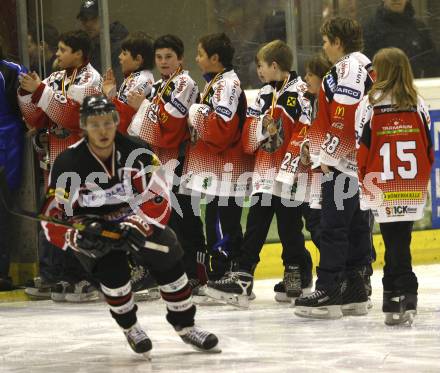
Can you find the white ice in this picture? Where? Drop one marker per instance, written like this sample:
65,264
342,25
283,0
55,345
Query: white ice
48,337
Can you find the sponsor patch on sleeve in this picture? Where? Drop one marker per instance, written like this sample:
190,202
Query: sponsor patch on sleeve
179,106
252,112
223,111
347,91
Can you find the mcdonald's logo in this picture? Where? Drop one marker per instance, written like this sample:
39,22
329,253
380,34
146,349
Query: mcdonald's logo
303,132
340,112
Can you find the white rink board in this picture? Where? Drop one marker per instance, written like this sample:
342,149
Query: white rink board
47,337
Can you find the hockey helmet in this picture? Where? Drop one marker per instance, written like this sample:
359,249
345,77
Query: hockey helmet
96,105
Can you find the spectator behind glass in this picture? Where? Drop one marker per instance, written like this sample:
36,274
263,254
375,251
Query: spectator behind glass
89,18
395,25
11,149
44,50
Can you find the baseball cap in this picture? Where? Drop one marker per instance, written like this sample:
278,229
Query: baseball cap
88,10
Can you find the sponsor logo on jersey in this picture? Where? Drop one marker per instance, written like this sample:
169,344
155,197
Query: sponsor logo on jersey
392,196
291,101
339,112
343,69
400,210
347,91
252,112
338,125
330,81
233,94
181,86
179,106
223,111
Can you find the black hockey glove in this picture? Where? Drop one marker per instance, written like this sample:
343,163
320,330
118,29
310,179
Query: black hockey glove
135,232
89,242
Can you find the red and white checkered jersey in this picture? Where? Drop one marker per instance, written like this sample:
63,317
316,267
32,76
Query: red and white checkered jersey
56,102
216,163
395,156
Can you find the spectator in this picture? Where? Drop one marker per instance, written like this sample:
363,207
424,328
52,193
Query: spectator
43,50
89,17
11,147
394,25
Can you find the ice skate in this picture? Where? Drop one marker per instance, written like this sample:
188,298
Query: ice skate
399,308
138,340
144,286
235,288
38,288
321,304
296,284
83,291
59,291
354,295
199,339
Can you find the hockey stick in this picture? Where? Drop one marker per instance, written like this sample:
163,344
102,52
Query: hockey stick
6,201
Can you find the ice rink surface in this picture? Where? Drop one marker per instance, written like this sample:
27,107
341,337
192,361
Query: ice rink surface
47,337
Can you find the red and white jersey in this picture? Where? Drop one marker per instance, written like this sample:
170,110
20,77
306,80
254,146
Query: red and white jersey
56,102
216,163
291,112
163,121
332,137
394,158
140,82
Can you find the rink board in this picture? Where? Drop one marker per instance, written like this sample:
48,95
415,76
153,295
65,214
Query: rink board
425,248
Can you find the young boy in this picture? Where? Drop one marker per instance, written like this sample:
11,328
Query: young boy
279,111
137,61
345,241
162,122
54,104
216,162
131,219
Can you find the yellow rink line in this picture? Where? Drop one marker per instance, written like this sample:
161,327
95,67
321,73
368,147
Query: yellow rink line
425,248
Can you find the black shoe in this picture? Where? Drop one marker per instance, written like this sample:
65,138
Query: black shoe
354,295
138,340
199,339
399,307
321,304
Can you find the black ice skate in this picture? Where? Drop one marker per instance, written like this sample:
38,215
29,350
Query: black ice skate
399,308
144,286
321,304
295,283
138,340
199,339
354,295
234,288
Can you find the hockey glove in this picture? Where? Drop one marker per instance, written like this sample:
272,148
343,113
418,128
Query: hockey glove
135,232
89,242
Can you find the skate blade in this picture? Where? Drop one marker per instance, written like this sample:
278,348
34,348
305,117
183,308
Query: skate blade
213,350
407,317
146,355
369,304
355,309
205,300
327,312
240,301
146,296
282,298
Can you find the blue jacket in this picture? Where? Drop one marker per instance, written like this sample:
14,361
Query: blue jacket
11,125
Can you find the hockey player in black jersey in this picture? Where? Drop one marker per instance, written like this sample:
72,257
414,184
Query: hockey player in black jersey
112,186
